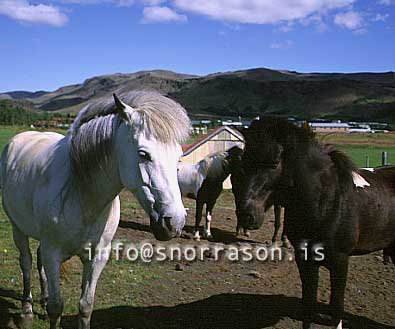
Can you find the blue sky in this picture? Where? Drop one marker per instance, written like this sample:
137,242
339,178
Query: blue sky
46,44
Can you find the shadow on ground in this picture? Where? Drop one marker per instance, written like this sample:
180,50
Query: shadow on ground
223,311
134,226
222,236
7,307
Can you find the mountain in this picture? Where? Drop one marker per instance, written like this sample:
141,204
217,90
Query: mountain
366,96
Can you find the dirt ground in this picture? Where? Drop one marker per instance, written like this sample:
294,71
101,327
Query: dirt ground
225,294
234,295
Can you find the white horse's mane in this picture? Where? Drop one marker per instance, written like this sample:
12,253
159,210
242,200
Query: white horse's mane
91,136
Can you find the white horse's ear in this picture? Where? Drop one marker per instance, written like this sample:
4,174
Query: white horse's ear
120,108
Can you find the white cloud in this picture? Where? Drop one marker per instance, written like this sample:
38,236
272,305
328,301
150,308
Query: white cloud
316,20
23,11
260,11
380,17
157,14
282,45
351,20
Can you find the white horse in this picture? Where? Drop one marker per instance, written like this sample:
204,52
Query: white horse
203,182
63,191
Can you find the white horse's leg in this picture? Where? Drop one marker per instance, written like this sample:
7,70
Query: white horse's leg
340,325
92,270
43,280
25,261
207,226
207,229
277,223
52,261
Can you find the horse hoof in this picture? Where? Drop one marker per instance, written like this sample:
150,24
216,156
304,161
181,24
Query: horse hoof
196,236
27,309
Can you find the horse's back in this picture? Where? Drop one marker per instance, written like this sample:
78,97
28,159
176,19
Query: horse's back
30,140
387,175
28,153
374,206
190,179
26,169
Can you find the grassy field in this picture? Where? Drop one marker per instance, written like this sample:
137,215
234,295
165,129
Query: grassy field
360,146
6,132
374,153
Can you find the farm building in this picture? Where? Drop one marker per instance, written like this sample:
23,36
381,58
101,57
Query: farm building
330,127
220,139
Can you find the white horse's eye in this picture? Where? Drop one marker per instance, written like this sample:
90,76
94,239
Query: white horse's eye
144,155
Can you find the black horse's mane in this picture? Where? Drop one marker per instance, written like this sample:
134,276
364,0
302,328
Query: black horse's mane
341,160
296,141
279,130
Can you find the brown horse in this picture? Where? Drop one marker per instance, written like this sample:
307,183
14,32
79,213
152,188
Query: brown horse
332,209
237,187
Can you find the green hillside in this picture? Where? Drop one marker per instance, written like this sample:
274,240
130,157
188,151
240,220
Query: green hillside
356,96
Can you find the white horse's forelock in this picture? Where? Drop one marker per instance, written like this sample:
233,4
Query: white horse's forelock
91,136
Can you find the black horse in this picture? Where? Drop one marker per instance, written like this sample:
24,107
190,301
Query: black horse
332,209
237,188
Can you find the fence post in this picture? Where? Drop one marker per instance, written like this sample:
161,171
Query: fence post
384,158
367,164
